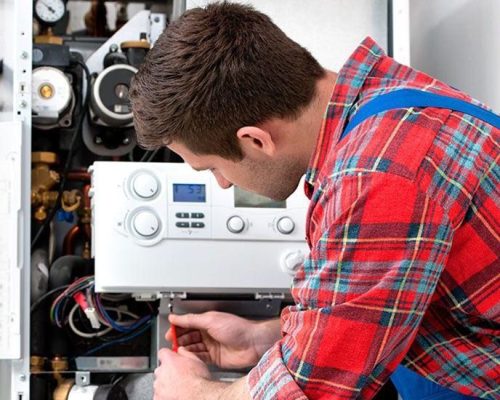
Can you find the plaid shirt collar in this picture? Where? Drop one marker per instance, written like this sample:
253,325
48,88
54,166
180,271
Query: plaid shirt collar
349,81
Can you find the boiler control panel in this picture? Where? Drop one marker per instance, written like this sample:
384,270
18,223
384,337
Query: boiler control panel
164,227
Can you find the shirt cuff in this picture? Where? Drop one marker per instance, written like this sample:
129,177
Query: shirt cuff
270,378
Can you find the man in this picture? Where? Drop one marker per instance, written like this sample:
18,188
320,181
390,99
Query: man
402,225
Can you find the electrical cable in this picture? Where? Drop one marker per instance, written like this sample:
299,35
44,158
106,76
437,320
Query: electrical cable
145,156
79,332
153,154
125,338
80,119
39,301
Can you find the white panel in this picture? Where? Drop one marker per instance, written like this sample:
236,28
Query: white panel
401,31
7,55
329,29
178,256
10,257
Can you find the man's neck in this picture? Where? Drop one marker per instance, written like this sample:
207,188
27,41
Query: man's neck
310,122
297,138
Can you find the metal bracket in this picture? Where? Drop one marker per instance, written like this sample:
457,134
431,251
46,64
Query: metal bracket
269,296
174,295
82,378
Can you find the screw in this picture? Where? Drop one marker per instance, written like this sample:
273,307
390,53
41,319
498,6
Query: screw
22,377
24,55
157,19
23,104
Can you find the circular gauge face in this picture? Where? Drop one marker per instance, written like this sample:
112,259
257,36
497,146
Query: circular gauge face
49,11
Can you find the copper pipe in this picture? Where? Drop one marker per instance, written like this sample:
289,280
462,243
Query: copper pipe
83,176
87,205
69,240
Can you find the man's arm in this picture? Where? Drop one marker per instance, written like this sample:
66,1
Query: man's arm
362,293
225,391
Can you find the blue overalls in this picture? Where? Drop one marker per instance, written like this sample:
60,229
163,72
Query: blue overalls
409,384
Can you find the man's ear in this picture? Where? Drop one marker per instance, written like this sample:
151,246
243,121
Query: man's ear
256,140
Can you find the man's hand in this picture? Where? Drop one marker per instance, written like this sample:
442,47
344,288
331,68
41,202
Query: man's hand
224,339
182,376
179,375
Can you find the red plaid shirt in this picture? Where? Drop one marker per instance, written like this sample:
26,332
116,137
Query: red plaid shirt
403,228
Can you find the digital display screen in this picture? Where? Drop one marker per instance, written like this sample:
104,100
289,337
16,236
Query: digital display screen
242,198
189,193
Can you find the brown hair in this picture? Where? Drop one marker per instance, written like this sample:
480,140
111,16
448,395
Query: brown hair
215,70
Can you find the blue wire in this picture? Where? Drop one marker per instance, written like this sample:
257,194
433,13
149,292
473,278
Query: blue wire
120,340
121,328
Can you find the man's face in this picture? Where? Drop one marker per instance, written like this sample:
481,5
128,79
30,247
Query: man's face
275,178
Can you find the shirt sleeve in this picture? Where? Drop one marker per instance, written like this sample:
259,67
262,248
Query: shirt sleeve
378,247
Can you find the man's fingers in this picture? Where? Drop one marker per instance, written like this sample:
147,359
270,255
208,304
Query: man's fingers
193,321
179,331
186,353
192,337
196,348
165,354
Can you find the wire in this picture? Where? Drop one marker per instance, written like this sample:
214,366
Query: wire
79,332
80,119
153,154
62,299
126,338
145,156
39,301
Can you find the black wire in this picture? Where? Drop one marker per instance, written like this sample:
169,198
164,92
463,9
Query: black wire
153,154
145,156
78,128
40,300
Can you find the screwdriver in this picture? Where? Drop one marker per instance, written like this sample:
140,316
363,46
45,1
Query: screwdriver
175,344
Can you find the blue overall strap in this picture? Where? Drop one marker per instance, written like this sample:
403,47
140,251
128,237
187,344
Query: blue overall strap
405,98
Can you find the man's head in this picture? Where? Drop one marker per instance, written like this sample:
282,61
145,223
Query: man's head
215,70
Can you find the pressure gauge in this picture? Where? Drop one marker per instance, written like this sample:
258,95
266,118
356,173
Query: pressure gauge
49,11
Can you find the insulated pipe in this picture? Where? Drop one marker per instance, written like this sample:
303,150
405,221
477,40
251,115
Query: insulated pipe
39,316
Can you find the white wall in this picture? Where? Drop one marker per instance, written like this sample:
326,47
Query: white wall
458,42
330,29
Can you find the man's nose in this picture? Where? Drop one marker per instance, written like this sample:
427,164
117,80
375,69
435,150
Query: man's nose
223,182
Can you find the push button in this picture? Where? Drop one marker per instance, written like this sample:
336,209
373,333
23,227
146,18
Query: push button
197,215
197,225
182,215
182,224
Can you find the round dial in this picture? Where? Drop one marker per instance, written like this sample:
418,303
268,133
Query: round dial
146,224
49,11
285,225
145,185
235,224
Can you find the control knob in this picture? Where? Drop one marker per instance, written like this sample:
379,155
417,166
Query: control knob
145,185
291,261
235,224
285,225
145,223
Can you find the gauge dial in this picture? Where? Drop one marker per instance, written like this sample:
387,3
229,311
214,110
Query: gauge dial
49,11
